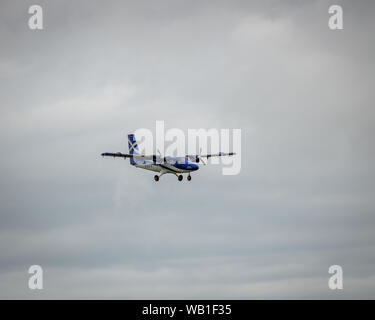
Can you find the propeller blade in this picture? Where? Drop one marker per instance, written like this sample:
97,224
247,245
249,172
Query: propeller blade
200,158
162,159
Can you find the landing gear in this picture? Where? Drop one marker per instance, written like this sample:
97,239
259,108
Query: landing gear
189,177
156,178
180,177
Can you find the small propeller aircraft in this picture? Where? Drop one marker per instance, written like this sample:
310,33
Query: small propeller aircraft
174,165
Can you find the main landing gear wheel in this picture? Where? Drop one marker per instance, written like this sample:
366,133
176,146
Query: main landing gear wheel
189,177
180,177
156,177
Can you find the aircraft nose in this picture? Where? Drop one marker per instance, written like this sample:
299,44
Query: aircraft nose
194,167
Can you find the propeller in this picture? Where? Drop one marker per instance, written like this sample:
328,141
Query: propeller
200,156
162,159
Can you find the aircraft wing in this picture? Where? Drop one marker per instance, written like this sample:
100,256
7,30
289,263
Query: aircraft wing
220,154
158,159
197,157
117,154
125,155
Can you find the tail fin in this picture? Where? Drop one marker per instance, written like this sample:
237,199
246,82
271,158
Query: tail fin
133,147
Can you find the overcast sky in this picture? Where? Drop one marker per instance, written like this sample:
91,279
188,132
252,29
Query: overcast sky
302,94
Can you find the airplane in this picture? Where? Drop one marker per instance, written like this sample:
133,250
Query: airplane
163,165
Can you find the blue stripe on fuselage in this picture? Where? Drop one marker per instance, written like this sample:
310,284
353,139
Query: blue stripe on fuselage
169,169
186,166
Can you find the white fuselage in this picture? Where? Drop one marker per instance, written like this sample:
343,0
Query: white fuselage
170,166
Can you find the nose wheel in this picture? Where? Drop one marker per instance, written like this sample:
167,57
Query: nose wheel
189,177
